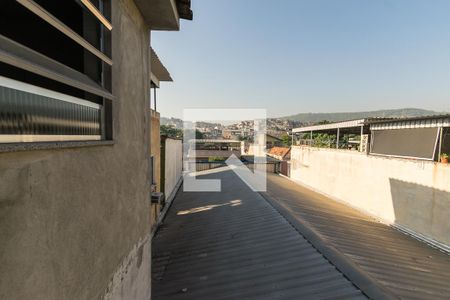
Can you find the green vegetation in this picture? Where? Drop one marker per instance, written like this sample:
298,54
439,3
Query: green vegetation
198,134
171,131
324,140
176,133
286,139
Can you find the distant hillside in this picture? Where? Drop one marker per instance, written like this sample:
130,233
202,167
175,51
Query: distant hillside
178,123
335,117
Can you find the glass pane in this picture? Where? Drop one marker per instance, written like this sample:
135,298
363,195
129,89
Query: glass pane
27,113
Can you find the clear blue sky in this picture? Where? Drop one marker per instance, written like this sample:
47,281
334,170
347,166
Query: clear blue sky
292,56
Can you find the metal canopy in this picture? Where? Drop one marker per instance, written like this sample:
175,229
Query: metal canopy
416,122
331,126
383,123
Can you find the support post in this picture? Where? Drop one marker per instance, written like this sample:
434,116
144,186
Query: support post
361,138
337,139
441,135
310,139
154,97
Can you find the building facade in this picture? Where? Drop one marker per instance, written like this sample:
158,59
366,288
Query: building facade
75,141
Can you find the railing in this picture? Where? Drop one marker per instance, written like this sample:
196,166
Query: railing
271,167
344,145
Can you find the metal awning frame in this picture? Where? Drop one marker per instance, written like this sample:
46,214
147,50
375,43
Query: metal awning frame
331,126
355,126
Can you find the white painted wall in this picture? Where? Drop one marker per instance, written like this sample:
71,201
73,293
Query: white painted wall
173,165
411,193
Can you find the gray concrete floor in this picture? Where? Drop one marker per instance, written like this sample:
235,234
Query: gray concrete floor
235,245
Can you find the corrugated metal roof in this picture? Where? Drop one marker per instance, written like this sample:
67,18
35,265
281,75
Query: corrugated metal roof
401,119
366,121
234,245
415,122
408,268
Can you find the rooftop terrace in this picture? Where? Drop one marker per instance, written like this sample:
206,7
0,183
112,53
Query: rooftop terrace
287,243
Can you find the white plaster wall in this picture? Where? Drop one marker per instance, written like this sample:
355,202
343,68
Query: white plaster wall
173,165
411,193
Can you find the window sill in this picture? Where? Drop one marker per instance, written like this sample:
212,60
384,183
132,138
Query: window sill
15,147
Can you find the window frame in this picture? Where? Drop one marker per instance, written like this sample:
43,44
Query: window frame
19,56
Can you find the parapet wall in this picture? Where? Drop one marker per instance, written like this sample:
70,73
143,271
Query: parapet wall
173,165
412,194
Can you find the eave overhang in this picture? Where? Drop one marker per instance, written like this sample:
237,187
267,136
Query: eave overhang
164,14
158,70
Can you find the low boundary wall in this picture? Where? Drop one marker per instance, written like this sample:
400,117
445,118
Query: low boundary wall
413,195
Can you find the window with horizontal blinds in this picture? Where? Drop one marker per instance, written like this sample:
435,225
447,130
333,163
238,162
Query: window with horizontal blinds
55,70
414,143
43,112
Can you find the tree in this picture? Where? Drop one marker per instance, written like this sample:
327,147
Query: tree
323,140
286,139
171,131
177,133
198,135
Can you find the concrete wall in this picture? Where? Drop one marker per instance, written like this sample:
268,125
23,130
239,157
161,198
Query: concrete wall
413,194
155,151
173,165
72,220
155,148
